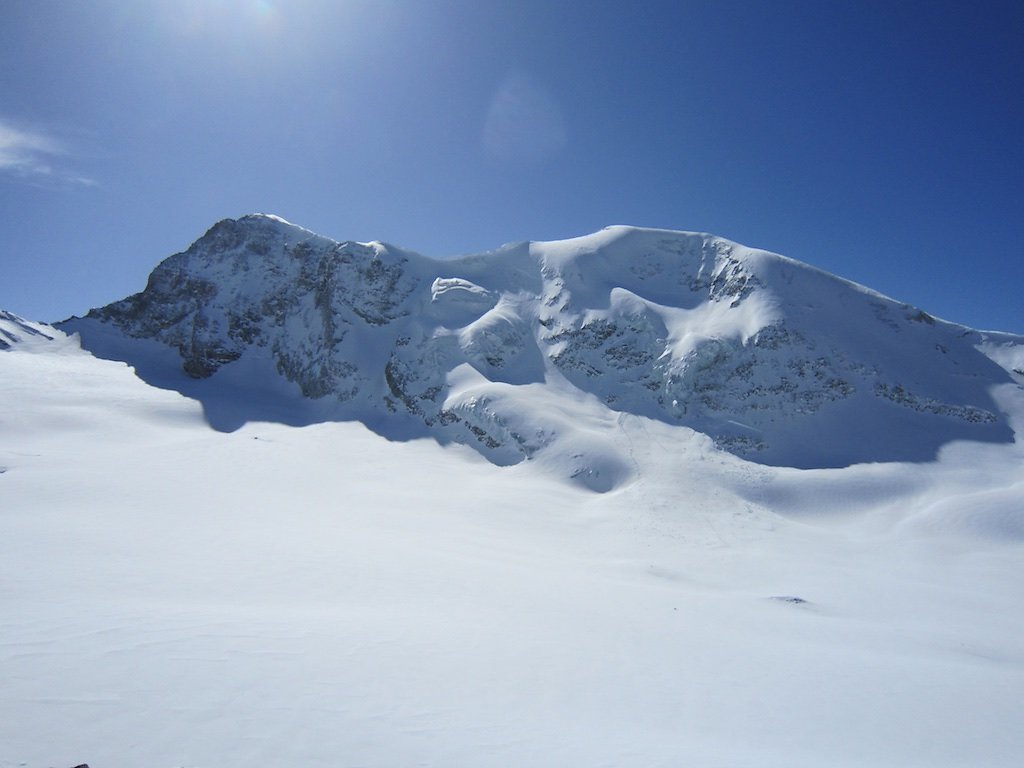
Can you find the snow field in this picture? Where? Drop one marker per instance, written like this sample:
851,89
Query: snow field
171,595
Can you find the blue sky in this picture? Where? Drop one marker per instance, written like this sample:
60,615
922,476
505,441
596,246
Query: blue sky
881,141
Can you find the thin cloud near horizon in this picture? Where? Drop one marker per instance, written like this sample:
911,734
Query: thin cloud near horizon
36,156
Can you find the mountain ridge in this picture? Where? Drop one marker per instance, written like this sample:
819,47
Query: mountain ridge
777,361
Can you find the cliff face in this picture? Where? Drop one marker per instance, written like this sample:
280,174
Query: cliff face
774,360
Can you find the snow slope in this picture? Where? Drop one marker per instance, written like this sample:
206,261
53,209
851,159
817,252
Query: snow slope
173,595
313,583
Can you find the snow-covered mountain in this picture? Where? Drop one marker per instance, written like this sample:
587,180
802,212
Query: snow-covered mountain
340,593
776,361
15,329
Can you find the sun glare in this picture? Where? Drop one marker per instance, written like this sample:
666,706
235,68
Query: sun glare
265,11
194,17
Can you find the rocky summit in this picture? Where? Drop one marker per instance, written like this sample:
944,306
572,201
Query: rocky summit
772,359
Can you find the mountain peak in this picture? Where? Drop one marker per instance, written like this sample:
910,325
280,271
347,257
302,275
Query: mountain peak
266,216
774,360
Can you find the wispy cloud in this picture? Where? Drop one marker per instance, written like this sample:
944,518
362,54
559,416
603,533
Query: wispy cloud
36,157
524,123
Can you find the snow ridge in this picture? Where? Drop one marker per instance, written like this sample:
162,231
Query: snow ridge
15,330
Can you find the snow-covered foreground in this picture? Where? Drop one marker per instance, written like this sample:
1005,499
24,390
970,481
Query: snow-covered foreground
172,596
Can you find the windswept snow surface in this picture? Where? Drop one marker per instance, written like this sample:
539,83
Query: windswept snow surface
172,595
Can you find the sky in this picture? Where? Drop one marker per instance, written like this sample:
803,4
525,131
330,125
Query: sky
880,141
